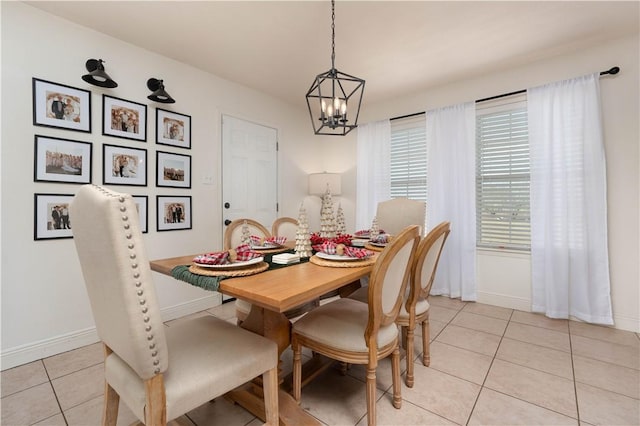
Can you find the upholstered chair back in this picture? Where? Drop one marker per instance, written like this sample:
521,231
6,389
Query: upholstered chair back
285,227
396,214
117,275
233,232
428,254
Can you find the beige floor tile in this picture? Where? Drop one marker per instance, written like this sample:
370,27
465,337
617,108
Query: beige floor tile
458,362
536,357
224,311
601,407
604,375
538,336
29,406
476,341
480,323
384,379
539,320
627,356
608,334
442,314
446,302
220,413
57,420
81,386
75,360
408,415
495,408
23,377
90,413
488,310
442,394
187,318
435,327
336,399
543,389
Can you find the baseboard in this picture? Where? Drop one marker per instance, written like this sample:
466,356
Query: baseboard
504,301
24,354
626,323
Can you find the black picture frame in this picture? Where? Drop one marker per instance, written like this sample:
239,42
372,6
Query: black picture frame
173,128
166,220
173,170
122,165
61,106
142,204
62,160
124,119
48,225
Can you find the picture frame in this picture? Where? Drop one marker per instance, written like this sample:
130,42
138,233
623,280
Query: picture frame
124,166
51,216
142,204
124,119
61,160
173,128
173,170
173,212
61,106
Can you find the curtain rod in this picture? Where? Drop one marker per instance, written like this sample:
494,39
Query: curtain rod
612,71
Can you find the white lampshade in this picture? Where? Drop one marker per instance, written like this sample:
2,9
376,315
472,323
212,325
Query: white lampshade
318,183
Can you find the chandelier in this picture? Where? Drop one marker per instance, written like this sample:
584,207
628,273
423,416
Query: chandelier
334,98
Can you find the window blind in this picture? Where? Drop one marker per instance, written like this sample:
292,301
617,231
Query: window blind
408,162
502,174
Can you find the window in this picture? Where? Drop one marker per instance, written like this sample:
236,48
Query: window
409,158
502,174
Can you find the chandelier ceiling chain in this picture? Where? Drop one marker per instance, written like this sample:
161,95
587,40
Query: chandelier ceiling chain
331,93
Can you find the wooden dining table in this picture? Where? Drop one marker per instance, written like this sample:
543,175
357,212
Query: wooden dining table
271,294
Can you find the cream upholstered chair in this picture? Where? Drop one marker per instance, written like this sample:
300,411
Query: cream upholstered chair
355,333
232,239
159,372
285,227
416,309
396,214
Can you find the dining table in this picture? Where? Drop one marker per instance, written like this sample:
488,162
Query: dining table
272,293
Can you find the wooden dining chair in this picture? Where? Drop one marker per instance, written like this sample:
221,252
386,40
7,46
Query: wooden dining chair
285,227
396,214
354,333
160,372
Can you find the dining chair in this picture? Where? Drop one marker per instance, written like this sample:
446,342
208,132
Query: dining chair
159,372
354,333
396,214
285,227
416,309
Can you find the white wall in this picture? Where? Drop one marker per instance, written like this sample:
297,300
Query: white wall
504,278
44,305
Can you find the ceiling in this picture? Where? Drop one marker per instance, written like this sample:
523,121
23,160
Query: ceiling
398,47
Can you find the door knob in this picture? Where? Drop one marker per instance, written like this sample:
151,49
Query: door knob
227,205
227,222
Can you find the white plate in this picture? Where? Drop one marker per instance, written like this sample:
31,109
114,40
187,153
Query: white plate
378,244
362,236
340,257
358,242
232,265
267,246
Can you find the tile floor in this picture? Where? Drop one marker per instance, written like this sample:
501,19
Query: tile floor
489,366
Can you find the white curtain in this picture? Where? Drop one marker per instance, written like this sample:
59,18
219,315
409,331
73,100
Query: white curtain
451,194
569,257
373,171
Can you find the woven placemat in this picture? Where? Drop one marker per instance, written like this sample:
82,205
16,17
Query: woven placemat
240,272
338,264
271,250
373,248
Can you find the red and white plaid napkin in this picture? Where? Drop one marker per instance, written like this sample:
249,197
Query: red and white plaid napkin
258,241
380,239
243,253
277,240
329,247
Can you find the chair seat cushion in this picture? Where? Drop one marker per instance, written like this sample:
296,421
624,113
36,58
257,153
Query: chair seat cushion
341,324
422,306
207,358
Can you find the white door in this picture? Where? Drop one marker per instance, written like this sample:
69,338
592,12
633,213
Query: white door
249,171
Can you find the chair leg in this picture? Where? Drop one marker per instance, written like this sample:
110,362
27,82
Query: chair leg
297,369
371,396
155,411
426,336
395,374
111,404
403,334
270,386
410,338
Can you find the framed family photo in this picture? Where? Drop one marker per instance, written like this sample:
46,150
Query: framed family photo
173,212
142,204
124,119
124,166
59,105
51,216
61,160
173,129
173,170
